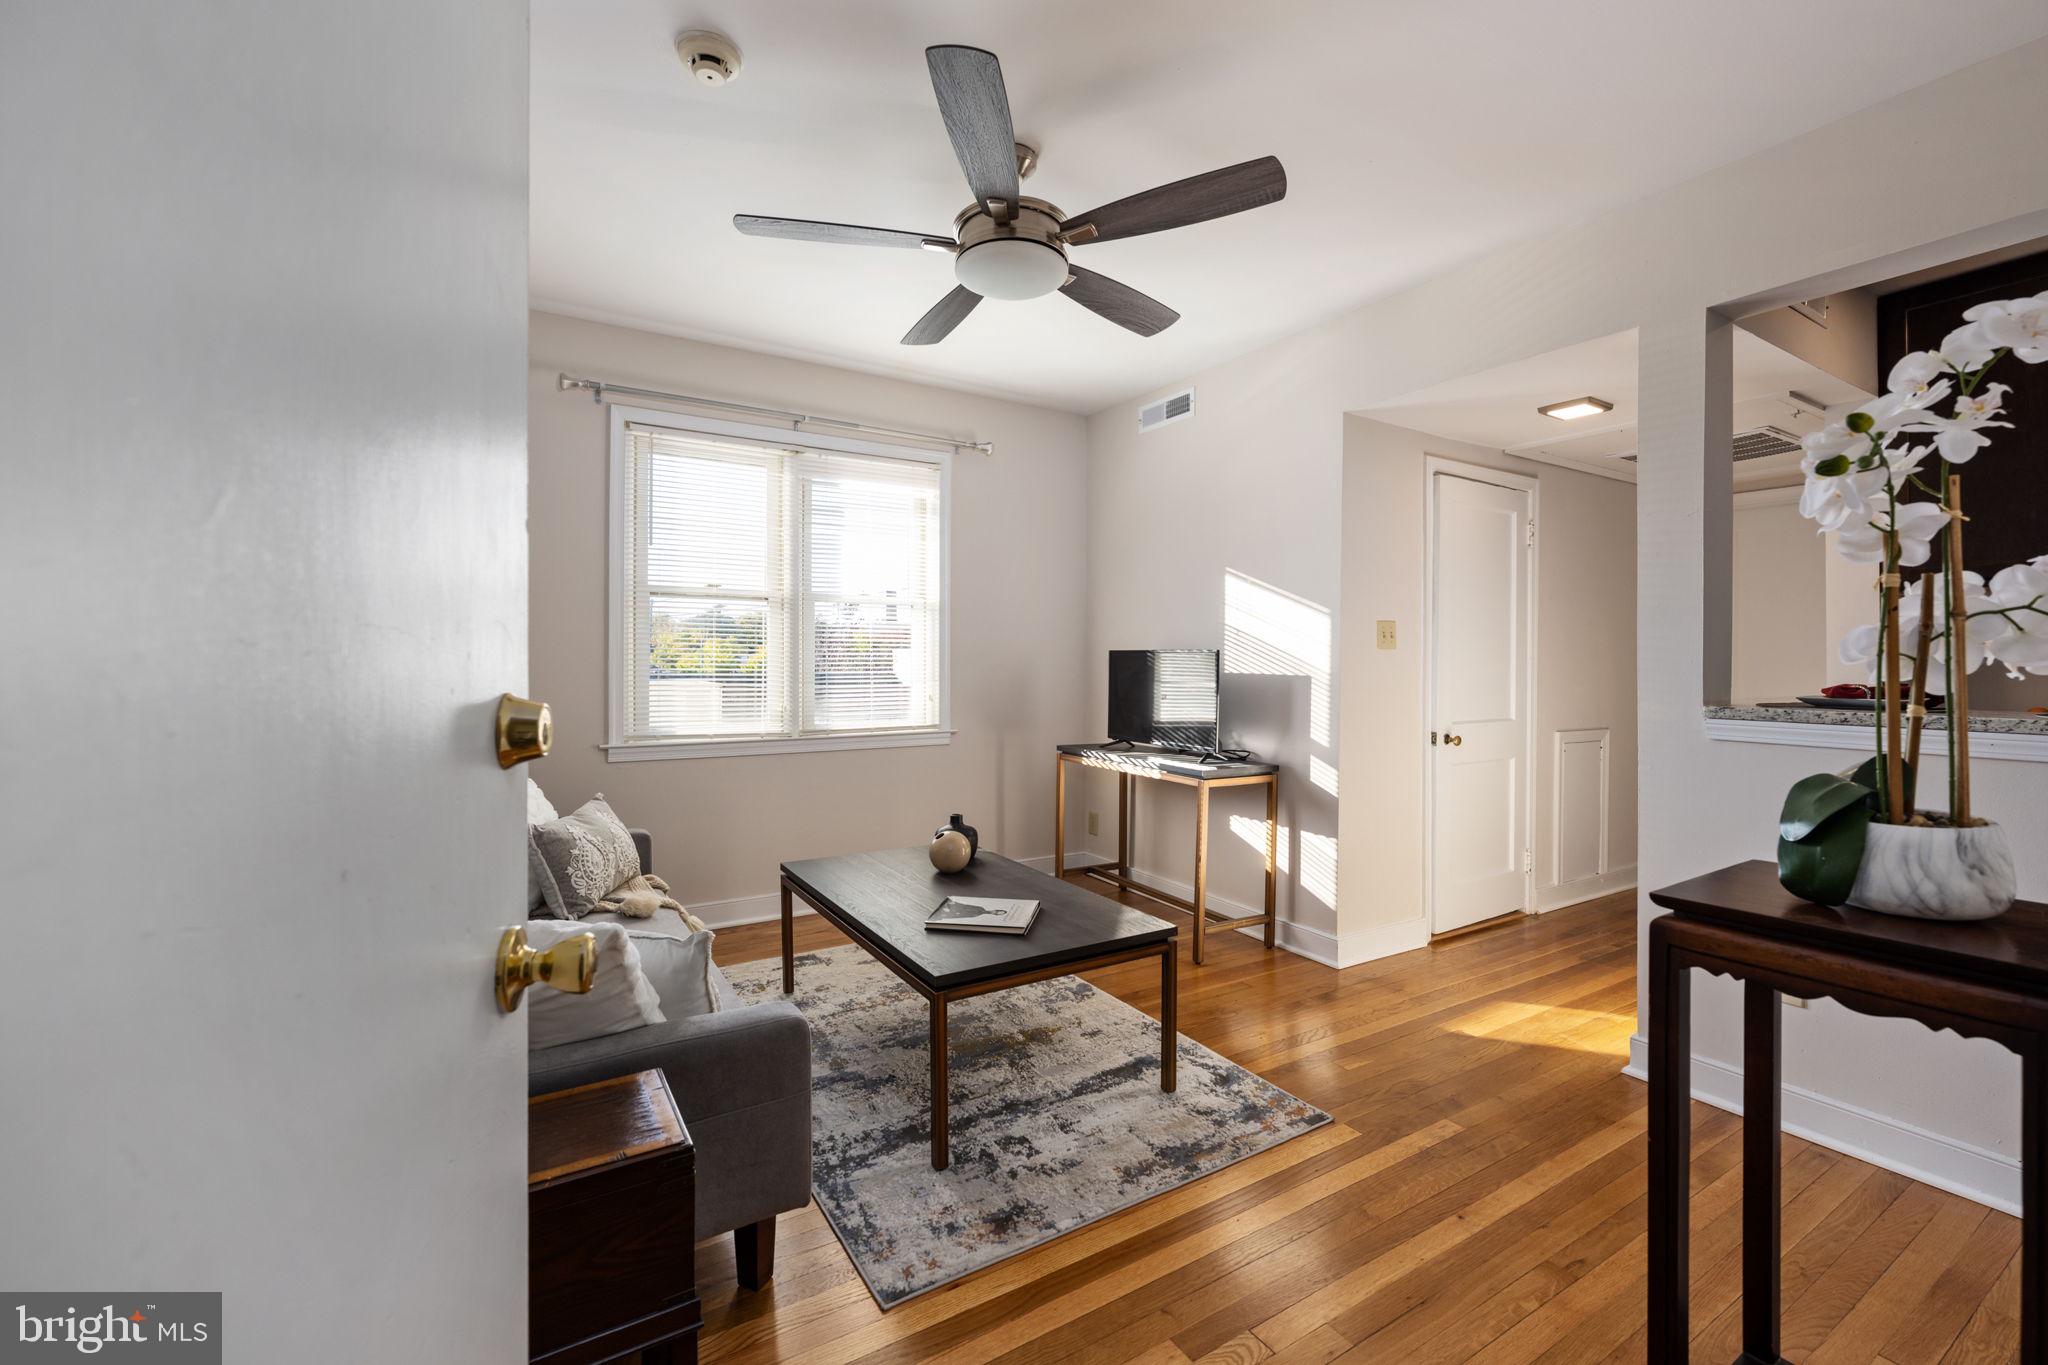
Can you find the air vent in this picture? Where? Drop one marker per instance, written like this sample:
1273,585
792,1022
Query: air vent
1171,408
1758,443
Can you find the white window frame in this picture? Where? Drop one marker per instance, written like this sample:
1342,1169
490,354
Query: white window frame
618,749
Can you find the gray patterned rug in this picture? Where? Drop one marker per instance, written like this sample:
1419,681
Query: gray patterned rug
1057,1116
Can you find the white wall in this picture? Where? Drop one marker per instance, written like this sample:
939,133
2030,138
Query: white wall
1269,446
262,430
1019,565
1585,666
1781,645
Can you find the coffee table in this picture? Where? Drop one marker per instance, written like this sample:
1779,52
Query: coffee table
880,900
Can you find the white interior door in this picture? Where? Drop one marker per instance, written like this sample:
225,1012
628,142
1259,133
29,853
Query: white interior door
1479,555
262,526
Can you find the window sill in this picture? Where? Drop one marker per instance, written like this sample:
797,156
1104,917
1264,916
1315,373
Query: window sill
2023,738
649,749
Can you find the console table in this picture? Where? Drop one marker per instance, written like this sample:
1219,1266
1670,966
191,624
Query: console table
1983,980
1147,765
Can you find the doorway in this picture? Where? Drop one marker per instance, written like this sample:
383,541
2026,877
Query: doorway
1481,613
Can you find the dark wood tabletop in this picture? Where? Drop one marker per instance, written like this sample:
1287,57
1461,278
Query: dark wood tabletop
888,894
2010,950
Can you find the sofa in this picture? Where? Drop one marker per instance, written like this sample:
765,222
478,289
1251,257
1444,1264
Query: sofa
742,1078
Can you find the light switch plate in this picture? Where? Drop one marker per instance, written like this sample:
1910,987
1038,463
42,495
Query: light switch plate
1386,636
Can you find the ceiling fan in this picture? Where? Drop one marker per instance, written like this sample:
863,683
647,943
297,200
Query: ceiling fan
1007,246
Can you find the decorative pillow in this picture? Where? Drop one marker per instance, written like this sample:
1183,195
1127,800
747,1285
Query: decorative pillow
581,857
680,970
620,995
539,811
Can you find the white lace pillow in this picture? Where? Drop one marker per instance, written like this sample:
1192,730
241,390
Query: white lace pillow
539,810
581,857
620,996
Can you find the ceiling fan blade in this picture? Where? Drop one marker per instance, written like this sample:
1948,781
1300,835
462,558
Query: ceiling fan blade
844,234
943,318
972,101
1120,303
1213,194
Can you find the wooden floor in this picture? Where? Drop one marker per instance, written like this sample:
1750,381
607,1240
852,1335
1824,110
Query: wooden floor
1480,1197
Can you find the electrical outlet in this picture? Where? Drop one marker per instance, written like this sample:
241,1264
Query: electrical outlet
1094,823
1386,638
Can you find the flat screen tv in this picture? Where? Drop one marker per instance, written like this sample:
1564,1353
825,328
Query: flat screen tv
1167,697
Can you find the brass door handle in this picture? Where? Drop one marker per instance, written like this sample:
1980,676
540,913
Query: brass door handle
526,730
570,965
1454,739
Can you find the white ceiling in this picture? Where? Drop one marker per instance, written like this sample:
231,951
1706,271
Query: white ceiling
1497,408
1414,136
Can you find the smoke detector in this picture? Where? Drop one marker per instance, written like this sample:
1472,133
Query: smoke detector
712,58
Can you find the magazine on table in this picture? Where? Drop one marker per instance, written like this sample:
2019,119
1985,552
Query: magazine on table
983,915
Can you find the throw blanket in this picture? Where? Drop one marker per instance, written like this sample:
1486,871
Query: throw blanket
644,894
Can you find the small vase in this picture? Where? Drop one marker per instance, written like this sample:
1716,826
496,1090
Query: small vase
1936,872
955,827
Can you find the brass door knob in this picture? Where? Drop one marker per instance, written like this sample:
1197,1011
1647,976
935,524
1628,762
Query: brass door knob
570,965
1454,739
526,730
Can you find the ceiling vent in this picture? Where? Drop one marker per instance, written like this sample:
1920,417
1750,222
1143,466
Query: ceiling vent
1171,408
1758,443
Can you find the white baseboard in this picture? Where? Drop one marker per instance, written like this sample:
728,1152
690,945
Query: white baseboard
1975,1173
1550,898
731,914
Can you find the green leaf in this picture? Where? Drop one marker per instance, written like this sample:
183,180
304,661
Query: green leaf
1871,775
1833,467
1822,867
1815,800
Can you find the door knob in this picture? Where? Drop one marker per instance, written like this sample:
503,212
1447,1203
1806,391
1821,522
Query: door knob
1454,739
570,965
526,730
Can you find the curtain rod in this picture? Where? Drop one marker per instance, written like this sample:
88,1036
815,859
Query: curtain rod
599,388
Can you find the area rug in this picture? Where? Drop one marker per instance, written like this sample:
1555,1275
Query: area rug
1057,1116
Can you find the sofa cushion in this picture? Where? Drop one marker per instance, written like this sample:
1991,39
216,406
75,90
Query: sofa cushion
581,857
620,996
680,969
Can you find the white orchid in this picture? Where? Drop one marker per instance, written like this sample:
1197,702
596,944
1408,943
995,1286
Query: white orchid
1839,500
1860,645
1968,348
1918,372
2019,325
2020,641
1917,524
1960,437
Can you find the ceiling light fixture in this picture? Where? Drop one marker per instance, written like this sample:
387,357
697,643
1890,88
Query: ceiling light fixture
1572,409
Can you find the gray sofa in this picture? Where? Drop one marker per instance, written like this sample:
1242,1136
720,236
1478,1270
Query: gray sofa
742,1077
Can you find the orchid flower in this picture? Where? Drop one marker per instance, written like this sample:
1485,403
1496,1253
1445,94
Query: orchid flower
1860,645
2018,325
1839,500
1917,523
1960,437
1969,348
2021,596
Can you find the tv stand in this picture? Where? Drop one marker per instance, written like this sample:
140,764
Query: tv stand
1132,762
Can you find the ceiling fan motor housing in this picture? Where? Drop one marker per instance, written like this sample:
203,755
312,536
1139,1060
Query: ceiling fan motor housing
1023,258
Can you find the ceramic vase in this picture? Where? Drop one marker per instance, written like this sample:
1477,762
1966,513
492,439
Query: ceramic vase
1936,872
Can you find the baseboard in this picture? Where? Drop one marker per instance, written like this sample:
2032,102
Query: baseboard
731,914
1975,1173
1550,898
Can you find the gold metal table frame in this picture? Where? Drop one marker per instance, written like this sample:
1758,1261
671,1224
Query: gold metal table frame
1119,873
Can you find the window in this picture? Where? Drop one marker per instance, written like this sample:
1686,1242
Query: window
771,593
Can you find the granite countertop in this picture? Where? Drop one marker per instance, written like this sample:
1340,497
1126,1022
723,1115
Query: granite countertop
1993,723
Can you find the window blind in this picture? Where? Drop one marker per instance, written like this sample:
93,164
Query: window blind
778,592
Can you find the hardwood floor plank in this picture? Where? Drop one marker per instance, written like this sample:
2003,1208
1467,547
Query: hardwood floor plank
1481,1197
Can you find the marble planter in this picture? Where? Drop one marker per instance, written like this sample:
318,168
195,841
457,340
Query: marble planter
1934,873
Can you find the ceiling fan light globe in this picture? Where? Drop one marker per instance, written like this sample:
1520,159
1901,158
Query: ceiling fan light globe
1011,268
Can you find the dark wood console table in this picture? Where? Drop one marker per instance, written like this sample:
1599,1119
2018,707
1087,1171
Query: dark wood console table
1145,765
1983,980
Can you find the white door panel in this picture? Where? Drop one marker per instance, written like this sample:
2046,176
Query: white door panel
1479,643
262,519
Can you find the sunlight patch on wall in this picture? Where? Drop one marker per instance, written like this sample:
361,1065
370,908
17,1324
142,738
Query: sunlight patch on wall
1253,832
1322,774
1271,631
1319,867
